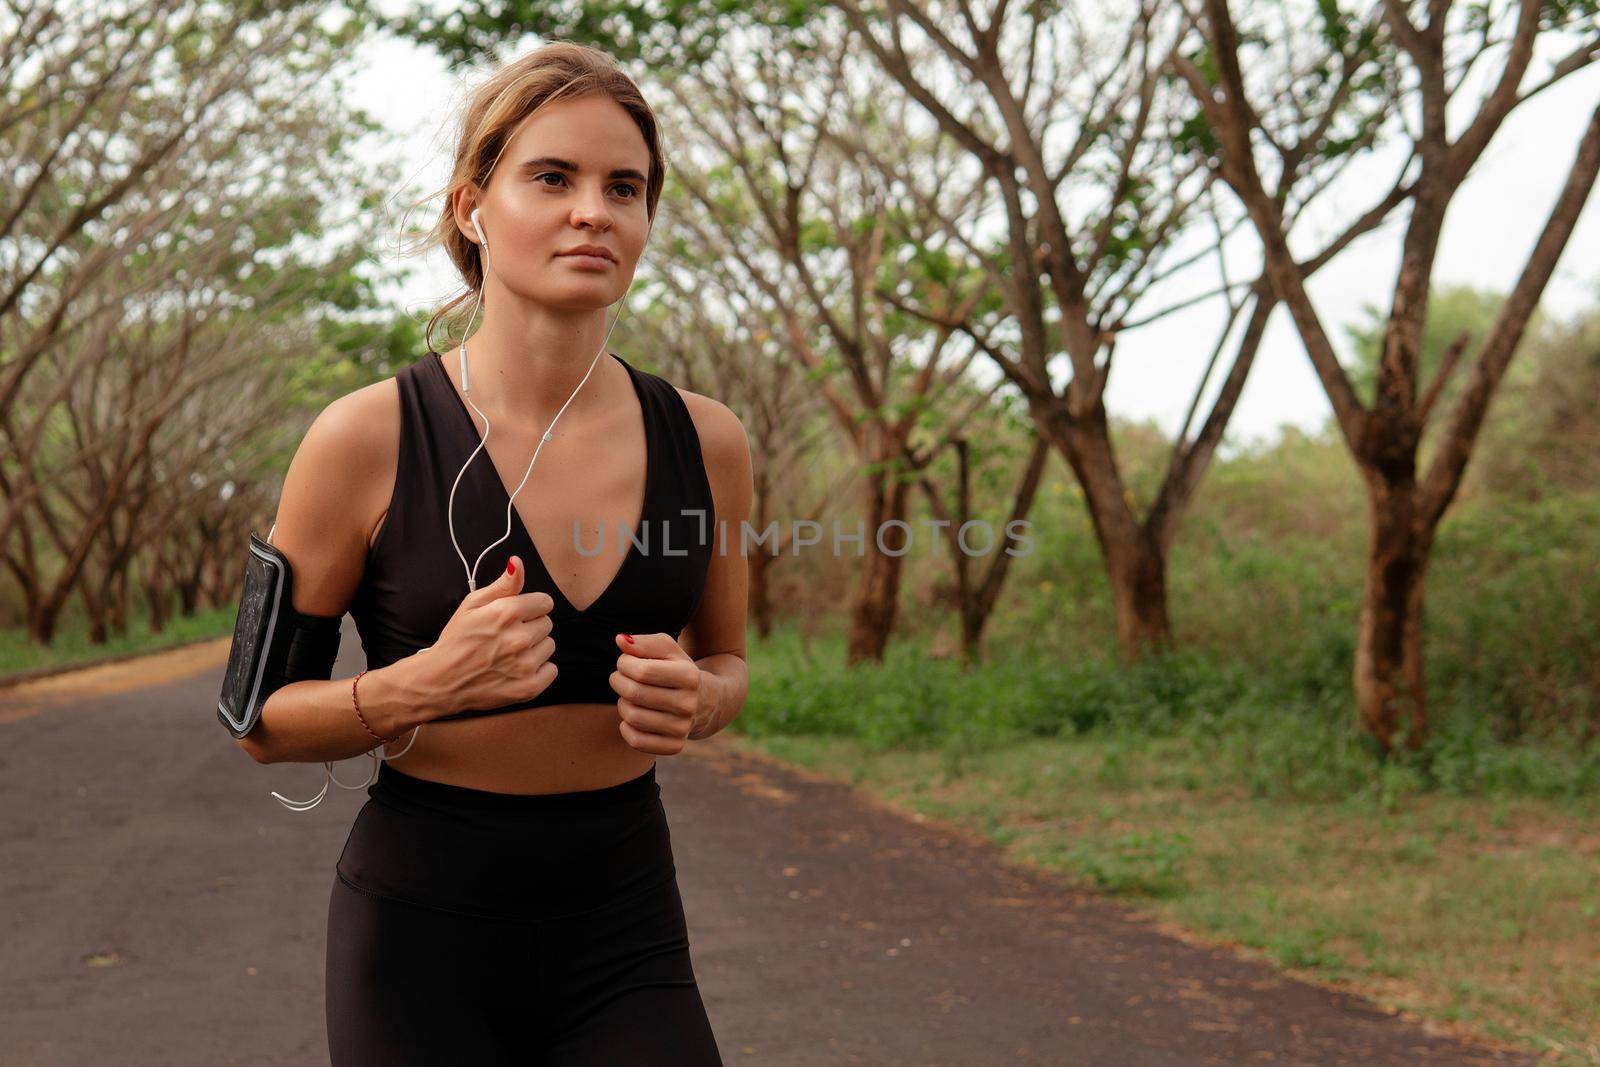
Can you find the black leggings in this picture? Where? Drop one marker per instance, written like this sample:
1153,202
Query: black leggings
487,928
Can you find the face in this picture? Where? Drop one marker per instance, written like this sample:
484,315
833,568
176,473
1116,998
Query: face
573,174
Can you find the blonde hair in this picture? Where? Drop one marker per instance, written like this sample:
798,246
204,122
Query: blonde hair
496,110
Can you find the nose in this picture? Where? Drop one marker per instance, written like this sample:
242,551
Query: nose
591,211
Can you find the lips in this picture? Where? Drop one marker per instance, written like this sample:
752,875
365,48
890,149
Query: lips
593,264
591,251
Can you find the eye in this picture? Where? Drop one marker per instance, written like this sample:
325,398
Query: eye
633,189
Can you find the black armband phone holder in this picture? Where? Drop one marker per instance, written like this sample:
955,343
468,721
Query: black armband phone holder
273,644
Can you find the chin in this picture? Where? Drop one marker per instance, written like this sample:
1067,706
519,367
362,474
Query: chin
575,298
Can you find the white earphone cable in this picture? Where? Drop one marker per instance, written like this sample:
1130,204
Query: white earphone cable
471,572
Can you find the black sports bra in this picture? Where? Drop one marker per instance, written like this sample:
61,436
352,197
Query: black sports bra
414,580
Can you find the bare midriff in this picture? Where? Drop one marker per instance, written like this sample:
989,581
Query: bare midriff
560,748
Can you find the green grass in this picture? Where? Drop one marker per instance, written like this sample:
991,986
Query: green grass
1458,883
72,645
1285,735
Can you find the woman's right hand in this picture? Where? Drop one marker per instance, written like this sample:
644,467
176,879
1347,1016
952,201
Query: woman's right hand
495,650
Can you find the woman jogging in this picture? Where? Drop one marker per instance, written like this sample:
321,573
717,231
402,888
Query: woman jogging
508,894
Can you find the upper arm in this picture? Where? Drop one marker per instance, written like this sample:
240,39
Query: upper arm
334,494
718,624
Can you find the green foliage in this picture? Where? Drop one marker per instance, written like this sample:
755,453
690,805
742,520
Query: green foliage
1274,734
1195,137
72,645
1452,310
670,34
1337,26
1264,587
1568,14
1543,433
1513,619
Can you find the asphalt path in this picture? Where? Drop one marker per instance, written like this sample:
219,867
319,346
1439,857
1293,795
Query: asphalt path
158,907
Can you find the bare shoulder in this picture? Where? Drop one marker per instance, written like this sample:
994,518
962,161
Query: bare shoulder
725,447
721,432
358,447
336,493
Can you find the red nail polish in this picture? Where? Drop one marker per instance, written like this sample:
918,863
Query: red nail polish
628,638
511,566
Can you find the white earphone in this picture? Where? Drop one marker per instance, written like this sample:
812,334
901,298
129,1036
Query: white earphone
466,389
472,582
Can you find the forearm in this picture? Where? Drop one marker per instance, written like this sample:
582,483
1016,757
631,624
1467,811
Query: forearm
315,721
724,683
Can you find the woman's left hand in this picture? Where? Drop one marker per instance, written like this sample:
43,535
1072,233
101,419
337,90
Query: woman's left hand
658,692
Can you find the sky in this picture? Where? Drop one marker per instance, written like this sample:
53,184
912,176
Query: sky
1491,226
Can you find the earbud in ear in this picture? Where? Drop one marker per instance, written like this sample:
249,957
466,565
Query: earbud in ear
479,228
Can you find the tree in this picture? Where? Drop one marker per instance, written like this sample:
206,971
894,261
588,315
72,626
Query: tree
1097,174
173,164
1256,140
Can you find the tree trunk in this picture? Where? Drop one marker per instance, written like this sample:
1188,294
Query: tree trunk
760,598
1136,561
94,612
119,601
878,588
43,617
1391,694
976,596
188,597
155,599
1138,572
973,620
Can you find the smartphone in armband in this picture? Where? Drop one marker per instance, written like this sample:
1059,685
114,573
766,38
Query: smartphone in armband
273,644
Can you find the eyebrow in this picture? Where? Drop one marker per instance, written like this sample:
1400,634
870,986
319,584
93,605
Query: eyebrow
530,165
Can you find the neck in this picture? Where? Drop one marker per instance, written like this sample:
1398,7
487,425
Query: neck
524,363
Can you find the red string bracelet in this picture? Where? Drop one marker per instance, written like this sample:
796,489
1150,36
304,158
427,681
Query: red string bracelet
357,702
